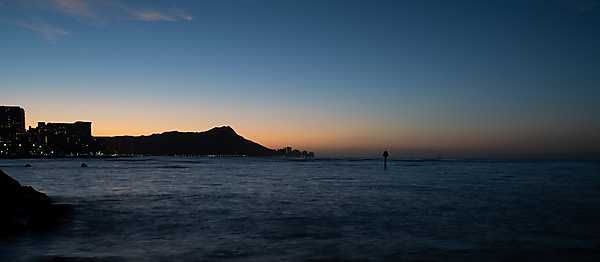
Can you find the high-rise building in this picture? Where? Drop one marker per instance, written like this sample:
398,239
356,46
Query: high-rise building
63,138
12,130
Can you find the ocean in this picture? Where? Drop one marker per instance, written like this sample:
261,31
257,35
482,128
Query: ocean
313,209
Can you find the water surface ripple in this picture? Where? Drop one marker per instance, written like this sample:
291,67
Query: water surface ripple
319,209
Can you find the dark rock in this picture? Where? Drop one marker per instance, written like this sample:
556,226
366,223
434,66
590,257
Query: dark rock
57,259
8,185
41,221
23,207
80,259
34,197
61,213
8,227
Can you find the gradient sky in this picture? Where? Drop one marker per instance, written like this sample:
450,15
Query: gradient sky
464,79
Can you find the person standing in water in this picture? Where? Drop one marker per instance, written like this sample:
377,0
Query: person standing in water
385,155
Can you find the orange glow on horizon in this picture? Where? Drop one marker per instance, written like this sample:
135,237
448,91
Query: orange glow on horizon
334,138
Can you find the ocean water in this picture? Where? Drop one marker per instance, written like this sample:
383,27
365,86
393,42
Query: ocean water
317,209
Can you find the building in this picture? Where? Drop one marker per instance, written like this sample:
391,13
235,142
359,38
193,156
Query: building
62,138
12,130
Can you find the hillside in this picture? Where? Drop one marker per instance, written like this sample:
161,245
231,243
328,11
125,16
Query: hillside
217,141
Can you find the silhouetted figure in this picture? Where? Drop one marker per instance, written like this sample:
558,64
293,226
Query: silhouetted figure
83,165
385,155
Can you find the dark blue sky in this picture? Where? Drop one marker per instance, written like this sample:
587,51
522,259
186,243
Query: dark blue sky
343,78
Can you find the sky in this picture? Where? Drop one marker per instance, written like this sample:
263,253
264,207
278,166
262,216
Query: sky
420,79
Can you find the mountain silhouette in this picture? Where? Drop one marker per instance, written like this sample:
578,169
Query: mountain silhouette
223,141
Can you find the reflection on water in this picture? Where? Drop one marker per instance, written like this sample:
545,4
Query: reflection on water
278,209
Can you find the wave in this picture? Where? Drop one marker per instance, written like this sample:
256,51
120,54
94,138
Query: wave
172,166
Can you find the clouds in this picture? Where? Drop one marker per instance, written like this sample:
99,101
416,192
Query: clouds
581,5
50,32
37,14
576,7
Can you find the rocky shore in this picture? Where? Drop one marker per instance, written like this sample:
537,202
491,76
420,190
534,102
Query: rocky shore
24,209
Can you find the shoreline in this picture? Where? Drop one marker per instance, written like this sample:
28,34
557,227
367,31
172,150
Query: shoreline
50,157
122,156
